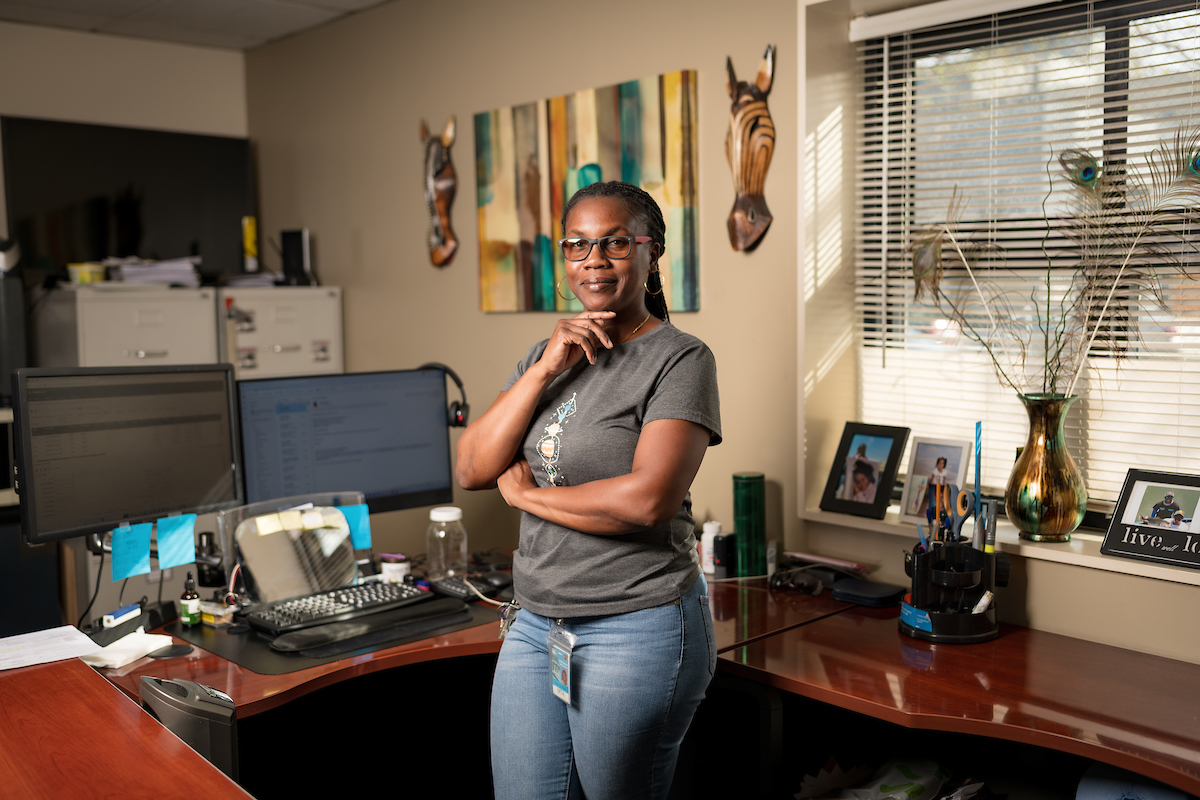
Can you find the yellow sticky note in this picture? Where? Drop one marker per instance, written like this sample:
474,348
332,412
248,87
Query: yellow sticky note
290,520
268,523
312,520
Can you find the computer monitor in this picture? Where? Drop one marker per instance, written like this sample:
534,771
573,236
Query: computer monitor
97,447
385,434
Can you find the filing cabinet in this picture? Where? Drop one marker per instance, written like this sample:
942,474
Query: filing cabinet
102,326
273,332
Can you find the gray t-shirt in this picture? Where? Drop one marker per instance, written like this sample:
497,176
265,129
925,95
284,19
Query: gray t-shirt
586,428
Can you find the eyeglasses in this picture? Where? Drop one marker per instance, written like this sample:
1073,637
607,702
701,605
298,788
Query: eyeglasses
611,246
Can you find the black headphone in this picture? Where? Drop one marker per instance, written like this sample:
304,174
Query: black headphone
456,415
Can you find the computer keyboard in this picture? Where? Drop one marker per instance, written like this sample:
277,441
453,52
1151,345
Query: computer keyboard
456,586
335,605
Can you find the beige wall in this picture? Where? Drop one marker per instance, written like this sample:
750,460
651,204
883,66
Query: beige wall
109,80
335,115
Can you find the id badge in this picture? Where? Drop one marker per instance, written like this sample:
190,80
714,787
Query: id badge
561,643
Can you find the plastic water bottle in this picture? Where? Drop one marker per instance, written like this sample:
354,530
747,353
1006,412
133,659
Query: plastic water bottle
445,543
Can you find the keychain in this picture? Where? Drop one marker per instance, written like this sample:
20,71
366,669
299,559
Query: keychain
508,612
561,643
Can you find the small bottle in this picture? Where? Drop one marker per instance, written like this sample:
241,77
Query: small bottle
189,604
445,543
711,530
394,567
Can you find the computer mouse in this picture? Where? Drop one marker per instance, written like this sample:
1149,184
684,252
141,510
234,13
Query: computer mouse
497,578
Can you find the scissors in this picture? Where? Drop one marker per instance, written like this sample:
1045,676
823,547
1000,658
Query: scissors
963,510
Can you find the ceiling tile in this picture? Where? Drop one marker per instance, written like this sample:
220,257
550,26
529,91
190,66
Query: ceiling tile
98,8
239,24
143,29
337,5
255,18
54,17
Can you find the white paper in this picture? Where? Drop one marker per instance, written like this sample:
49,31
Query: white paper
127,649
42,647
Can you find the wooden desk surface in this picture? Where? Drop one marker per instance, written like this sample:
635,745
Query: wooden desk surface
743,611
66,732
1121,707
746,610
254,693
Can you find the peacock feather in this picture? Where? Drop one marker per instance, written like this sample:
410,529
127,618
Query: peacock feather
1124,224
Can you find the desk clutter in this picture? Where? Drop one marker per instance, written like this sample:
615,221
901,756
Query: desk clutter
953,579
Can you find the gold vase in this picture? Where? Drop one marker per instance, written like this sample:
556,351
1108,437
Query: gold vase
1045,497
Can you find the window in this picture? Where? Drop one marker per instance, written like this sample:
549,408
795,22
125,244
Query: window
982,109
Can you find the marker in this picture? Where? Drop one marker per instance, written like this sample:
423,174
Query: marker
989,544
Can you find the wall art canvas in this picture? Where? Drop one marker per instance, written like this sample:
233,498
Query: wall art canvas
530,159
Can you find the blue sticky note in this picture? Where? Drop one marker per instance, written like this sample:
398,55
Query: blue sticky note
131,550
176,541
360,525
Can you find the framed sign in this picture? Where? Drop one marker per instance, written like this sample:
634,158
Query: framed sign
1155,519
932,461
864,471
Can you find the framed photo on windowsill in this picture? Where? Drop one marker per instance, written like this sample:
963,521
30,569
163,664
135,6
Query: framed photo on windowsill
931,461
1156,519
864,471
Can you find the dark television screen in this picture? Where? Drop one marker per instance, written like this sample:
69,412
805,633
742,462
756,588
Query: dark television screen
384,434
81,192
102,446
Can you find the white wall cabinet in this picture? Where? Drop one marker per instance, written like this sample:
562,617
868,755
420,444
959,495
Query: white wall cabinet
89,326
281,331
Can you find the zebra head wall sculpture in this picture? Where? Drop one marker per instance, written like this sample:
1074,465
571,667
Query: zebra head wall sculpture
748,146
440,185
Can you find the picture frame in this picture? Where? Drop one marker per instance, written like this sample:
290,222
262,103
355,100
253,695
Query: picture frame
864,470
923,462
1155,519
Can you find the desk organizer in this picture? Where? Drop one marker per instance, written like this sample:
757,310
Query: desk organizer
948,581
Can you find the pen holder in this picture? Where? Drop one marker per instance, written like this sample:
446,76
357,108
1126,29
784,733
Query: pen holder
948,582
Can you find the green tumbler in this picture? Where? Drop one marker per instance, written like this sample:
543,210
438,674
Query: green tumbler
750,523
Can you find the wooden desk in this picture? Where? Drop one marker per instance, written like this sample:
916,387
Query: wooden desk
1133,710
745,610
1115,706
66,732
254,693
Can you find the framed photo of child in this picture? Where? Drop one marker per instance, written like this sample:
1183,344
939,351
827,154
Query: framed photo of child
931,462
864,470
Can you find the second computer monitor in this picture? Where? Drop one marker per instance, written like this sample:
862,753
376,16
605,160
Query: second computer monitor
382,433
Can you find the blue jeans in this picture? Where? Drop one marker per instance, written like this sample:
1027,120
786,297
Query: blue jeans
636,680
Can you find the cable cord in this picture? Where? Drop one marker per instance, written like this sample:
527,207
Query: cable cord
99,573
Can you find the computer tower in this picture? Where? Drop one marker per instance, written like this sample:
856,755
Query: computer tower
297,257
12,333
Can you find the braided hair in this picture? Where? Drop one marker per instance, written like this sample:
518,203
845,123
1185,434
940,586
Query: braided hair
643,208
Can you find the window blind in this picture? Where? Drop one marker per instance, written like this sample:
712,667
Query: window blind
961,126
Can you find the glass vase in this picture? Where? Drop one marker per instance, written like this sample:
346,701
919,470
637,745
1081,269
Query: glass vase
1045,497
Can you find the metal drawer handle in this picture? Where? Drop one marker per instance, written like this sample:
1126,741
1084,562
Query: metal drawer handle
151,353
286,348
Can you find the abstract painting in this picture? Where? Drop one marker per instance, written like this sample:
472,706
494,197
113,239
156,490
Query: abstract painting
530,159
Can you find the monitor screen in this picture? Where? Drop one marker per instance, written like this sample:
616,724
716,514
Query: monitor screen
79,192
384,434
102,446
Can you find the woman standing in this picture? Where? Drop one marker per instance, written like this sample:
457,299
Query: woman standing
596,438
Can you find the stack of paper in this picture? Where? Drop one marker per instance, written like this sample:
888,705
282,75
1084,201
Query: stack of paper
175,271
